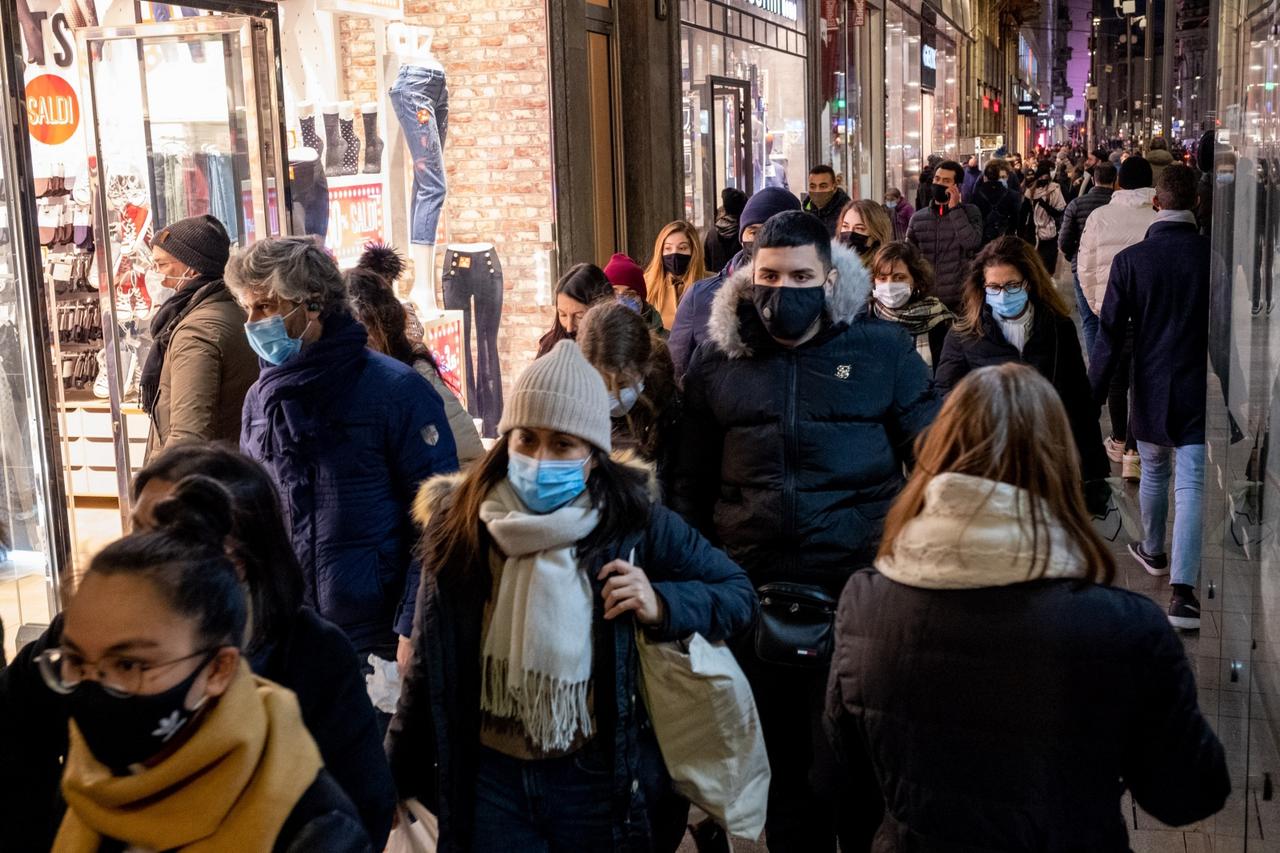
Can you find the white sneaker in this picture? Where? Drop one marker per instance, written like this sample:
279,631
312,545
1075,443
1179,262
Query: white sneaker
101,389
1131,467
1115,449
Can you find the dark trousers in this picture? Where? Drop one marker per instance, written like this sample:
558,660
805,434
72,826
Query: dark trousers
555,804
812,799
310,194
1118,395
1048,252
473,284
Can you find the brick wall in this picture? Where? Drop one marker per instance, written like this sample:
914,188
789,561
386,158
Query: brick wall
498,151
359,65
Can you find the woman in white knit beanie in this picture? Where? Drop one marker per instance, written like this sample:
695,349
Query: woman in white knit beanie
519,724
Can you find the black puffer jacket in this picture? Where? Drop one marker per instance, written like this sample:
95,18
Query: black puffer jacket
791,457
948,242
1074,218
1012,718
434,739
1053,349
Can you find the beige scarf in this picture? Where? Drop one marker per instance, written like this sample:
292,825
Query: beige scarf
976,533
536,655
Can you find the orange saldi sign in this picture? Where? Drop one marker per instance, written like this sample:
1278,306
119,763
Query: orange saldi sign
53,113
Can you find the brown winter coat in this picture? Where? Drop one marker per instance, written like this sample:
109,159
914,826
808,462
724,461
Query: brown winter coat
206,372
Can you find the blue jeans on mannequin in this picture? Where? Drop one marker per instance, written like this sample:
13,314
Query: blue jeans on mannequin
1188,497
421,102
553,805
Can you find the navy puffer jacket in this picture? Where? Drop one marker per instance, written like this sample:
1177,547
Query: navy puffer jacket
790,458
348,435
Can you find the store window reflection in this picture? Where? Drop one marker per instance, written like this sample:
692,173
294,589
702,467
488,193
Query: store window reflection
851,83
744,93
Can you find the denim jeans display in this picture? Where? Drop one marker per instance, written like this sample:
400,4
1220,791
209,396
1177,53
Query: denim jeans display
421,101
310,190
555,804
473,284
1188,496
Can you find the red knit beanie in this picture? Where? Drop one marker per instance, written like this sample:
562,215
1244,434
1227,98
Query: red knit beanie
624,272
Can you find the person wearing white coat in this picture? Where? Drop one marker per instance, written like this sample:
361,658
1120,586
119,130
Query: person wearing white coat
1116,225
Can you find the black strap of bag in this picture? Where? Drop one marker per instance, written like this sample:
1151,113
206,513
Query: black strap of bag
796,625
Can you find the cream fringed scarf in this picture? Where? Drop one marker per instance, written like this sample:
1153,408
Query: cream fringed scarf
536,656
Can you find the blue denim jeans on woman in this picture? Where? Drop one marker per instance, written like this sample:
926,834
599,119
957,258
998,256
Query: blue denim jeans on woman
421,102
1188,498
553,805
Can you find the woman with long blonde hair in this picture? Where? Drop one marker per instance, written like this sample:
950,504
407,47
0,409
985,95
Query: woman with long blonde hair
864,226
999,691
676,264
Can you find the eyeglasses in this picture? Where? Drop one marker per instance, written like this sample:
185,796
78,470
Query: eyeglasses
64,671
1010,287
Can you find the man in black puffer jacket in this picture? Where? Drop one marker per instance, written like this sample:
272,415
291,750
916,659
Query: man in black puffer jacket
948,233
800,411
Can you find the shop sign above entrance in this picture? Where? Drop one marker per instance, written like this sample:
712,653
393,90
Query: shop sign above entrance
1027,108
789,12
928,48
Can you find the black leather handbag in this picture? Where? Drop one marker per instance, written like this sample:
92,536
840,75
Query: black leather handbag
796,625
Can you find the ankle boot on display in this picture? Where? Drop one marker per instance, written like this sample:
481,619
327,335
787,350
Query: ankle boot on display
372,144
351,154
335,145
307,118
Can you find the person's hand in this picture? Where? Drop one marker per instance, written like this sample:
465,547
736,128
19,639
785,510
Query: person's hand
953,197
629,590
404,654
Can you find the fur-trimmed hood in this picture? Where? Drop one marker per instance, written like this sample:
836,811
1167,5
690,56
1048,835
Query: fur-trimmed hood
435,494
845,299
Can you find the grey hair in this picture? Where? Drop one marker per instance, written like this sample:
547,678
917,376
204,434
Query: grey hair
297,269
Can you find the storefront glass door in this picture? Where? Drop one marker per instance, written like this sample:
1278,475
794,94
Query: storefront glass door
730,138
183,123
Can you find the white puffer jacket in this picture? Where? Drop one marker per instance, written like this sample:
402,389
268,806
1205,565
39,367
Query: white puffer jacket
1116,225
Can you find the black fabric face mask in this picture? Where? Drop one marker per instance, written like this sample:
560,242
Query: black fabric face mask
122,731
677,264
941,195
856,241
788,312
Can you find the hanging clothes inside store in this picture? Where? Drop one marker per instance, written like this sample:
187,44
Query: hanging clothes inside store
473,284
193,184
18,509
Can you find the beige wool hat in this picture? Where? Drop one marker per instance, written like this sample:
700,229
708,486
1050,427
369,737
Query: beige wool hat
561,391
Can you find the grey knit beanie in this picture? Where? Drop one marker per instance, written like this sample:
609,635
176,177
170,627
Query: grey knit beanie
561,391
200,242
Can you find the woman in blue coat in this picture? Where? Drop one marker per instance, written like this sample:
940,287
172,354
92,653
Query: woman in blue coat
520,723
347,434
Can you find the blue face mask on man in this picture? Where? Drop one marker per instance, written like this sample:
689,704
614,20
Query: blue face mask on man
545,485
271,341
1008,303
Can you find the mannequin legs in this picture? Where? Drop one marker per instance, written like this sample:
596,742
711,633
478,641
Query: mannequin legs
423,293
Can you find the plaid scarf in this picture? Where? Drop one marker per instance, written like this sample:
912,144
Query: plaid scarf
917,317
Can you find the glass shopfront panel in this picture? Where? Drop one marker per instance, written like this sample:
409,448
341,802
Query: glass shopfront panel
744,103
853,81
904,102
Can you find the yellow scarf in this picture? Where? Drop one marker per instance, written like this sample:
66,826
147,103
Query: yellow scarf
229,788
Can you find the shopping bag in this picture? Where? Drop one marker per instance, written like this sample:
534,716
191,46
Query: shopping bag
409,837
708,729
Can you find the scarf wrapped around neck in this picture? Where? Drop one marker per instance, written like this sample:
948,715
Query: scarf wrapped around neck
231,786
298,395
536,656
918,317
163,325
973,533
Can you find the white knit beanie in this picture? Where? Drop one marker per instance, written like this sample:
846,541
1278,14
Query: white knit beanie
561,391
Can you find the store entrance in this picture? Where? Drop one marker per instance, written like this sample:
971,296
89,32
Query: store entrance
729,139
182,120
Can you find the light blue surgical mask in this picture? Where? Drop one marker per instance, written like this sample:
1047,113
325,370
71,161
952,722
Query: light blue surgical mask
624,400
546,485
1008,304
891,204
271,341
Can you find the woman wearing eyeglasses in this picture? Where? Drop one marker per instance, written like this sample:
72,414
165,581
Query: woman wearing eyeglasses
1012,312
174,743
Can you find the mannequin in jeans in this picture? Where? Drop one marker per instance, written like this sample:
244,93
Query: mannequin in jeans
420,99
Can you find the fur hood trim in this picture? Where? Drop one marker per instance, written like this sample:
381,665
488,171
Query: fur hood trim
845,299
435,494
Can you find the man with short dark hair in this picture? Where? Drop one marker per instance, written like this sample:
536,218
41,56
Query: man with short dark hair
825,200
1073,222
799,417
1161,287
998,204
948,232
